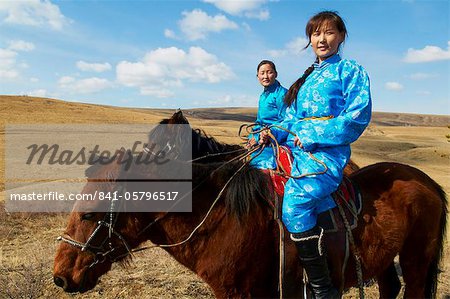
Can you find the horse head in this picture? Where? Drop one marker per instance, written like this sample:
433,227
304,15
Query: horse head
171,138
96,234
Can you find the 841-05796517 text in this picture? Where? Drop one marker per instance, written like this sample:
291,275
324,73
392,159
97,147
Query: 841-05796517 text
97,195
138,195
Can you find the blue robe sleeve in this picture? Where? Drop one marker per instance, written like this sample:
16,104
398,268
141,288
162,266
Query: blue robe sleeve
272,112
346,127
281,105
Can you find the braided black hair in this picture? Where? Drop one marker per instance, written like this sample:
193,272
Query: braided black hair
291,95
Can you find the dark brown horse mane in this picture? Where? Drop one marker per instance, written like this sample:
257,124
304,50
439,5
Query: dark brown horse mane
180,119
202,143
248,189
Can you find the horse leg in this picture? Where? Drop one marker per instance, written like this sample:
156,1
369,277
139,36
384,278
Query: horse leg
414,262
388,283
421,250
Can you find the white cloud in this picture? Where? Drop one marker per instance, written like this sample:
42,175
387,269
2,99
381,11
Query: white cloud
165,69
8,64
169,34
66,80
156,91
20,45
232,100
7,56
248,8
93,67
262,15
424,92
246,26
37,93
395,86
422,76
294,47
197,24
427,54
40,13
9,68
83,86
225,100
23,65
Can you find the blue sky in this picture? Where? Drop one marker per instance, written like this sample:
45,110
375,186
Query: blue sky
186,54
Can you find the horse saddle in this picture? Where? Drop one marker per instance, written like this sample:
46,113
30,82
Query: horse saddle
346,195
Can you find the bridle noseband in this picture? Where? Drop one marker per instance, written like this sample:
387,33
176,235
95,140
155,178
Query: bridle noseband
99,243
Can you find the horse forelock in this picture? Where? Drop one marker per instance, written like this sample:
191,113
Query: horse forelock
98,172
165,121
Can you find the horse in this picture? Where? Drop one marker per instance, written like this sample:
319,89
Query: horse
234,249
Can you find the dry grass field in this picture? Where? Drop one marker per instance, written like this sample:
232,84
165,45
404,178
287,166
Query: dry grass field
28,241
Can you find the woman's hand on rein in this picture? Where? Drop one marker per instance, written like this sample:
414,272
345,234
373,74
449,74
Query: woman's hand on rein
297,142
250,143
264,137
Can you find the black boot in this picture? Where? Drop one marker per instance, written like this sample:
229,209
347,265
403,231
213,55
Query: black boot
315,263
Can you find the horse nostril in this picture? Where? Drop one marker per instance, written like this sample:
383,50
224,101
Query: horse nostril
60,282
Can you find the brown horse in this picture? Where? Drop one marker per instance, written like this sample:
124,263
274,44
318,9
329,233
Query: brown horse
235,250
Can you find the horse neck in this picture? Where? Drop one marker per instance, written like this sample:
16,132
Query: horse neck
175,227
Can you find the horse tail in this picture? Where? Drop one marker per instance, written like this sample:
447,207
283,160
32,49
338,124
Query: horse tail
247,189
433,269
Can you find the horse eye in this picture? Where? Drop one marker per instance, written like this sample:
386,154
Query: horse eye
87,216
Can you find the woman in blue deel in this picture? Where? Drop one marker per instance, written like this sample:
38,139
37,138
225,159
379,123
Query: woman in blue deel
271,110
336,91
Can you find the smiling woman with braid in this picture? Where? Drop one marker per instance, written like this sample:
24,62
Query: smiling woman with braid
329,107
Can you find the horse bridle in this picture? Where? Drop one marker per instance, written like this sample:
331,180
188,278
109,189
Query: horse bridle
99,243
150,151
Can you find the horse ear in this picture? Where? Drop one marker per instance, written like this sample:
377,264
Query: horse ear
89,172
179,118
94,159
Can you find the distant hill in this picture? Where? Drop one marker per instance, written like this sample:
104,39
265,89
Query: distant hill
408,119
25,109
378,118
